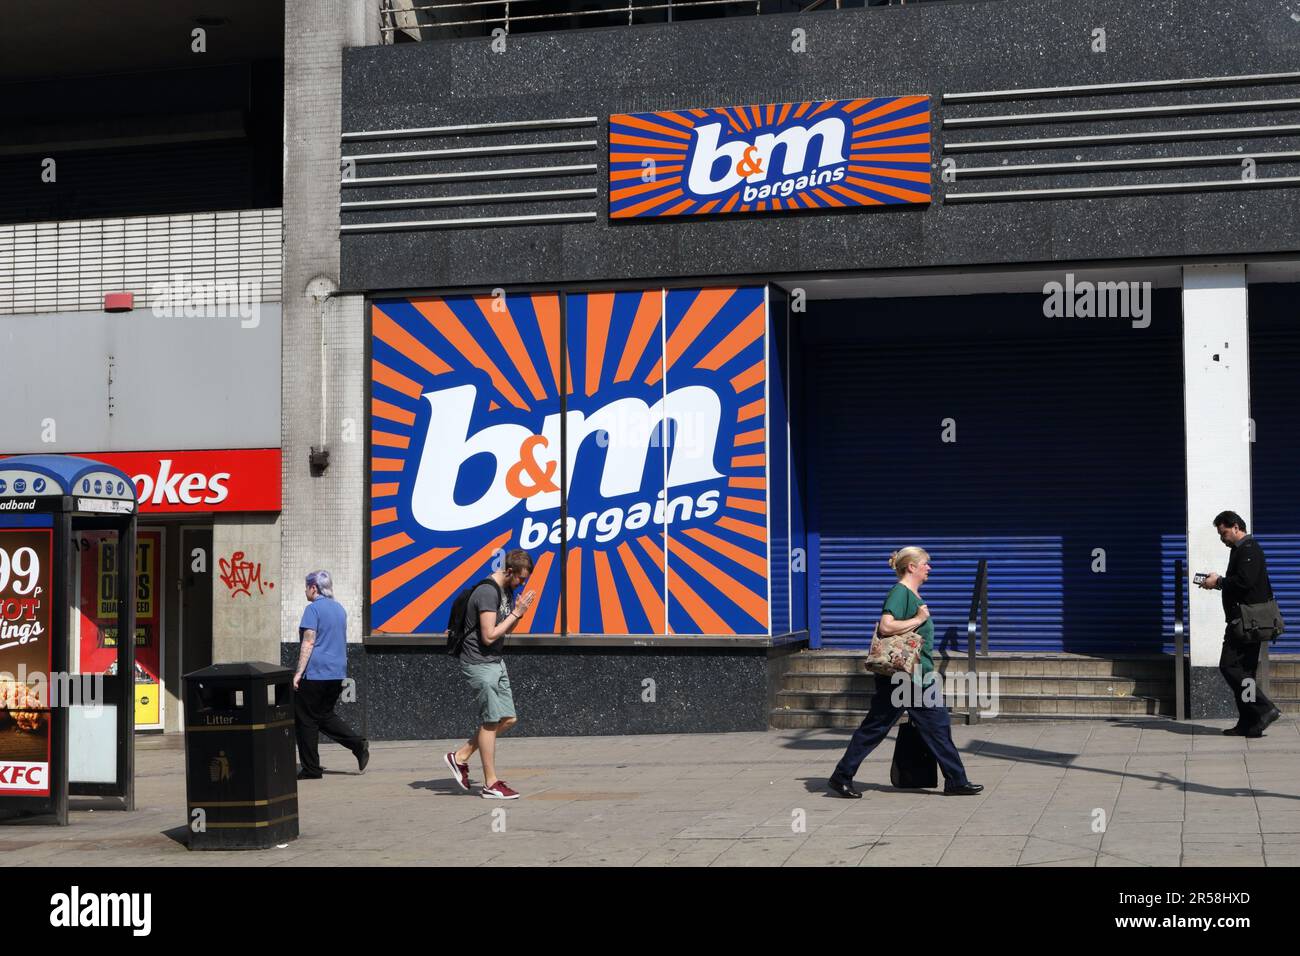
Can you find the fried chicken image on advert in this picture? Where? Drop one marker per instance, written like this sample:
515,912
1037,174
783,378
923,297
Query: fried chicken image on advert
17,701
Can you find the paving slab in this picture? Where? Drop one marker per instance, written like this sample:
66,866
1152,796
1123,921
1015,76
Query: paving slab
1169,794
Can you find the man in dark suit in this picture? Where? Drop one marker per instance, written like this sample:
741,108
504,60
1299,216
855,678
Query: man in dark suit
1246,582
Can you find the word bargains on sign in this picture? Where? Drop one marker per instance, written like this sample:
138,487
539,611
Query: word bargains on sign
781,157
665,429
25,648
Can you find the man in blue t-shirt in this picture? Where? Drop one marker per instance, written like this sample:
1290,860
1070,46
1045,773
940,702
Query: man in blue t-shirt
322,668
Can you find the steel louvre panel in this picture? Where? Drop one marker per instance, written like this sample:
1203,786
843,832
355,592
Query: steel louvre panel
1275,453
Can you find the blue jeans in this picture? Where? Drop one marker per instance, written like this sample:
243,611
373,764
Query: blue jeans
932,723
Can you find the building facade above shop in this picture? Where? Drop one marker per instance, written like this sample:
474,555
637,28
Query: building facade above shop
1095,130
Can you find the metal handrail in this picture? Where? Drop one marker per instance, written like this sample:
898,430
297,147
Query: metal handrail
977,622
984,607
1180,650
979,614
388,13
413,17
1262,679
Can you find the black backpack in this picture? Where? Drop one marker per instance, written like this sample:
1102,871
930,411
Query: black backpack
456,623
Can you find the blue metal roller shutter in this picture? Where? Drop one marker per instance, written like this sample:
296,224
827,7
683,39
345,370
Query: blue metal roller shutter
1275,455
1069,438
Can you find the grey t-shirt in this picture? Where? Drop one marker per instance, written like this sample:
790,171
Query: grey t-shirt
484,598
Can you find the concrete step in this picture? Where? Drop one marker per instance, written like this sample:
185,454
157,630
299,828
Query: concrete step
850,719
1049,686
1137,668
833,688
1006,703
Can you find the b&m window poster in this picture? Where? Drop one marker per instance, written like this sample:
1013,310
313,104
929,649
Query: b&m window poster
778,157
664,424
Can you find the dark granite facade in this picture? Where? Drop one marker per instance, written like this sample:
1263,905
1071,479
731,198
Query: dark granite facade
1208,694
926,48
417,693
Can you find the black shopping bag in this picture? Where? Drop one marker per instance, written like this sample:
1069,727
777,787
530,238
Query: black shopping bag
914,767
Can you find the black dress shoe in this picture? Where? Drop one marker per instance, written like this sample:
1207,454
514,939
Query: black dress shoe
965,790
1265,721
304,775
363,758
1237,731
845,790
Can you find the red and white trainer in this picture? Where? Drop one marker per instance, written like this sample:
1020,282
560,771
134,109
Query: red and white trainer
499,791
458,770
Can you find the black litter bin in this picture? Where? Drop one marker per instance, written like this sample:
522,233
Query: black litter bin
240,777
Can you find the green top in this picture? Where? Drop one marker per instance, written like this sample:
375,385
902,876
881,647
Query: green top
903,603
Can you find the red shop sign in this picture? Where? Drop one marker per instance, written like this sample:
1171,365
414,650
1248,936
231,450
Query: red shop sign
243,479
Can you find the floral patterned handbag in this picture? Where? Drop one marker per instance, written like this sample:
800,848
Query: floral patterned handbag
898,653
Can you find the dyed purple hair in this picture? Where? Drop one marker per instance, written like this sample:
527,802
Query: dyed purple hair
322,582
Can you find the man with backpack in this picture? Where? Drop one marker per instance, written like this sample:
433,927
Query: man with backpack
481,617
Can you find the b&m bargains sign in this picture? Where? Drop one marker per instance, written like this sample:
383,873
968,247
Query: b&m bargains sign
781,157
664,425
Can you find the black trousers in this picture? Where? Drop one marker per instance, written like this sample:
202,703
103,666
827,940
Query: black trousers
1239,661
314,715
933,723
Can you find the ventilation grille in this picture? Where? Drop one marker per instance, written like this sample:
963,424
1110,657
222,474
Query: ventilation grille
471,176
1210,134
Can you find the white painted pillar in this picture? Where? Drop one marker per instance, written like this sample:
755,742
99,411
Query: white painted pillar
1216,404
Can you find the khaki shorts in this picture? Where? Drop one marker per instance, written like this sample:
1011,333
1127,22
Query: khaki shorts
491,685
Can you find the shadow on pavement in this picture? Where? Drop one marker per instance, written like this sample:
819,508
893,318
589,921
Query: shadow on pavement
818,785
806,742
436,786
1029,755
1180,727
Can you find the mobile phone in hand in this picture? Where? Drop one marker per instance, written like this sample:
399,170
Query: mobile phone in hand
1199,578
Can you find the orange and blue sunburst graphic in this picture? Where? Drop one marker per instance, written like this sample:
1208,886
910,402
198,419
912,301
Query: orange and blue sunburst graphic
665,427
781,157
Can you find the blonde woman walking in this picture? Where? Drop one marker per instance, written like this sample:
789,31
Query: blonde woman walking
905,611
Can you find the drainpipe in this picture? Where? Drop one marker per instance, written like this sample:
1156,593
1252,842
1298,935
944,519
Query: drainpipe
321,289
